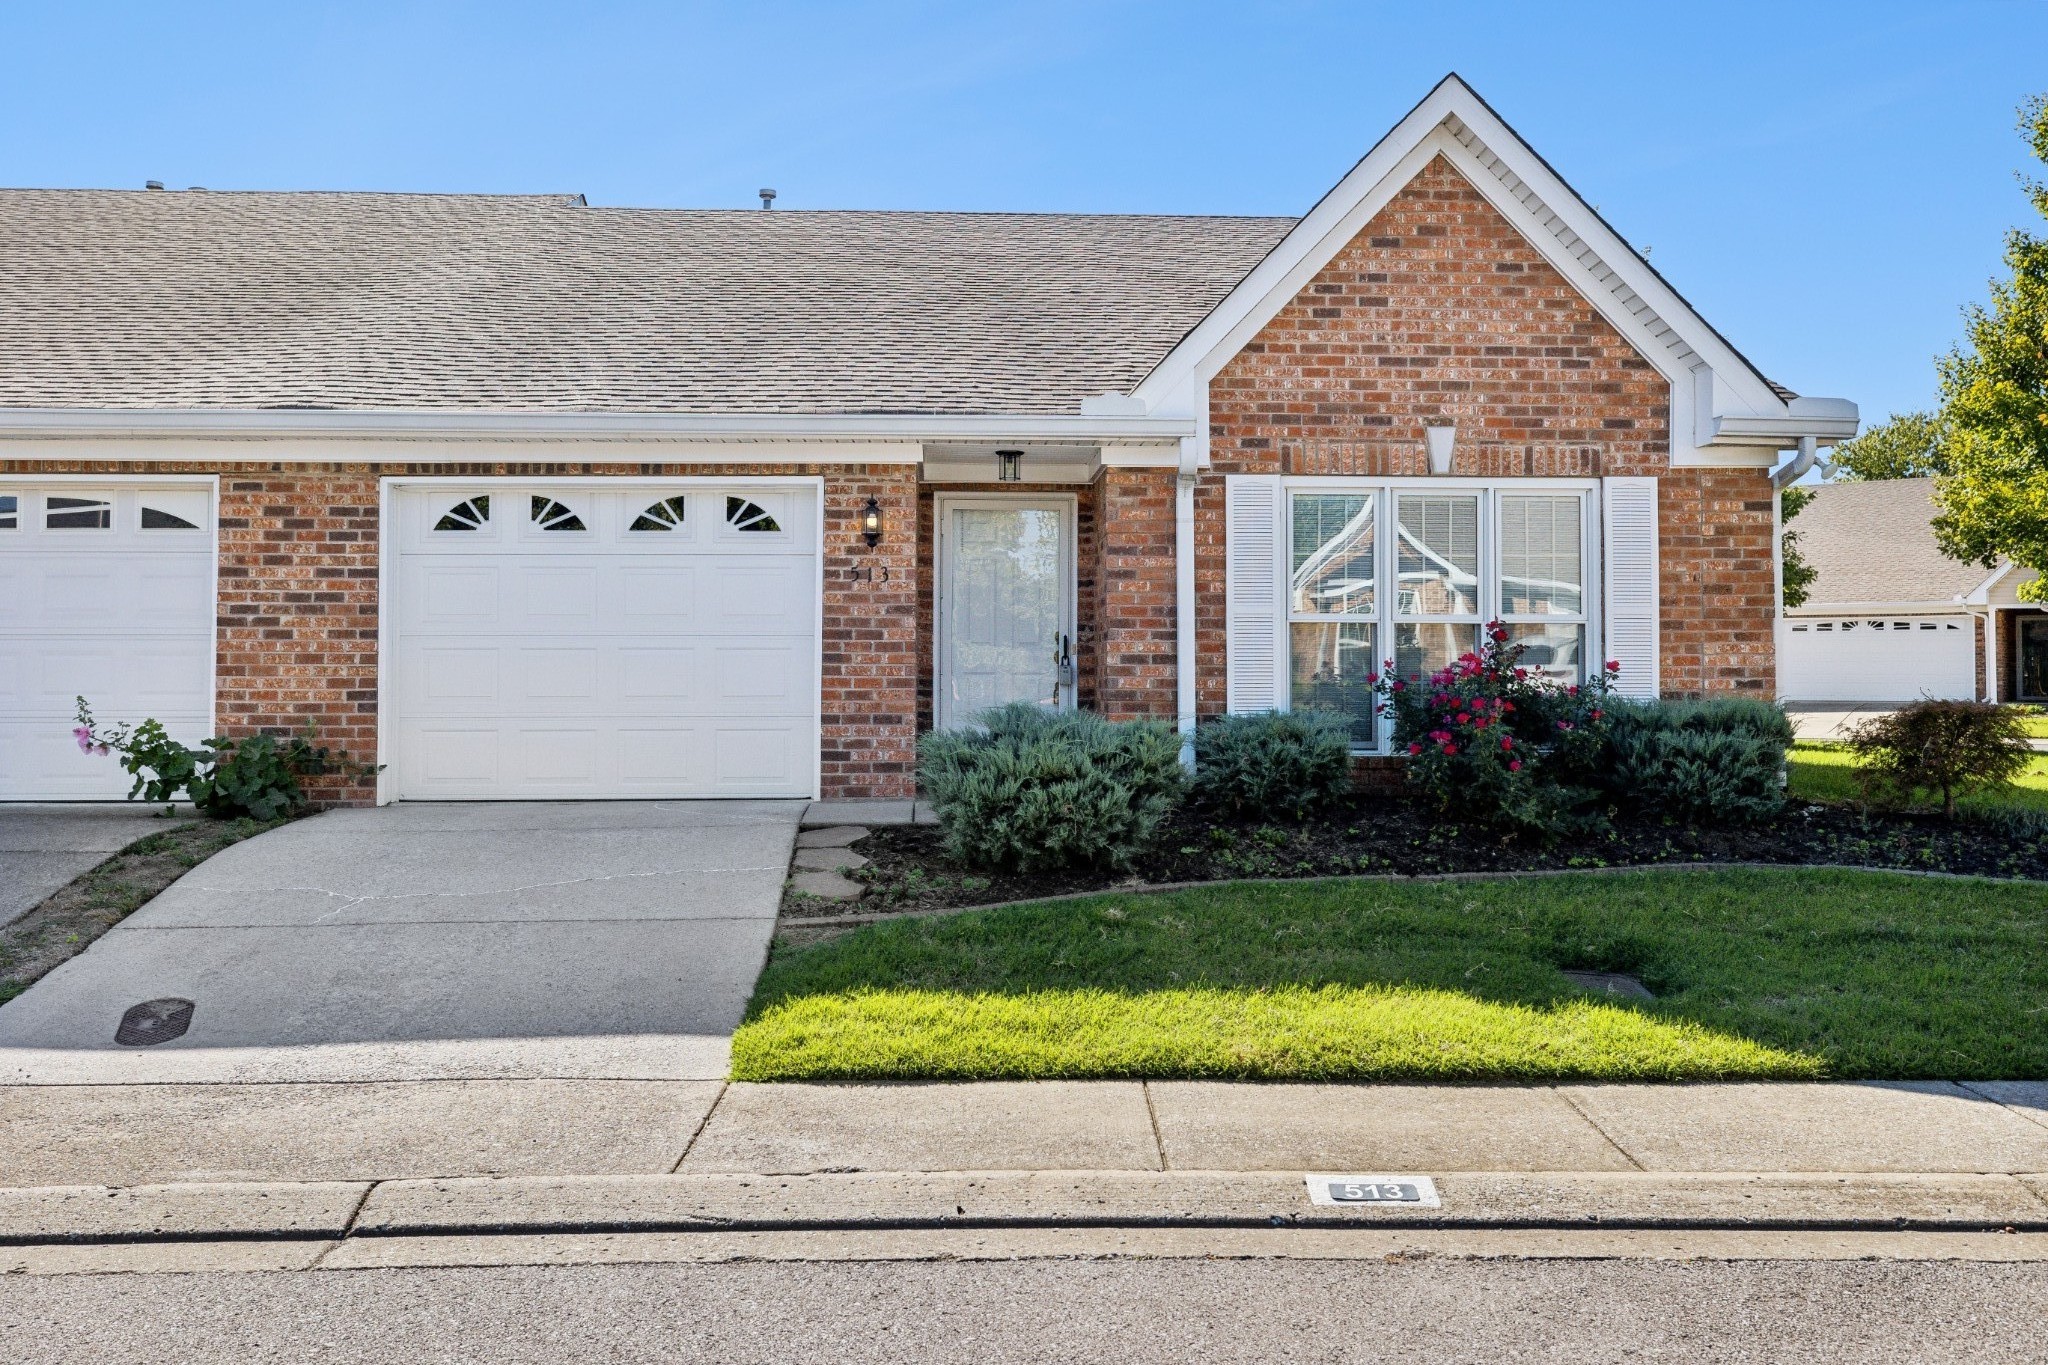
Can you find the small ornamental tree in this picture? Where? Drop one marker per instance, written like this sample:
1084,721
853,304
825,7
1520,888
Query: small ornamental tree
1945,748
1490,740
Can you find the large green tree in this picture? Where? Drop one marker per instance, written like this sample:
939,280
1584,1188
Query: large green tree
1994,415
1905,445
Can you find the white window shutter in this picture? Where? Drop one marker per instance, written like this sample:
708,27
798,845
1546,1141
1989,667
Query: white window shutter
1255,652
1629,520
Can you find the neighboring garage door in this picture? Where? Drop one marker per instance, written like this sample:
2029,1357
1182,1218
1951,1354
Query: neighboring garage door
604,640
106,592
1897,658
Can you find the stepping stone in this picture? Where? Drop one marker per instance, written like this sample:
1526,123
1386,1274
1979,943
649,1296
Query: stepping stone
838,836
826,885
1611,983
828,859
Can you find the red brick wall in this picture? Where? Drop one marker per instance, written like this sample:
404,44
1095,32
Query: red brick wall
1439,308
1134,614
297,630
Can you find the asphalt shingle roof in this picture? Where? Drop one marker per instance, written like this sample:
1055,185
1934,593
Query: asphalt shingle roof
197,299
1873,541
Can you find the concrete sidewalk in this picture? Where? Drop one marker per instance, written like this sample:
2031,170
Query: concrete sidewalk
351,1163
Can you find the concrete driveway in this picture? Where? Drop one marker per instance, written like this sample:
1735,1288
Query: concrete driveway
43,847
515,941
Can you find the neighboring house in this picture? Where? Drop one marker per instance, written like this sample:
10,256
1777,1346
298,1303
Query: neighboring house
1891,618
525,498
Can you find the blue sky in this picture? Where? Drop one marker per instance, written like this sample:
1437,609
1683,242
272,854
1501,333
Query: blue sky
1827,183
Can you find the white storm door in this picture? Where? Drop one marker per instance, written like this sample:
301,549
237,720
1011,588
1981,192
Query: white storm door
1005,604
106,592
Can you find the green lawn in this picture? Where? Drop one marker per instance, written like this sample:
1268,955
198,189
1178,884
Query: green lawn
1759,974
2037,724
1827,772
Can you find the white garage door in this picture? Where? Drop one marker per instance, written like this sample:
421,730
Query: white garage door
106,592
1869,659
605,640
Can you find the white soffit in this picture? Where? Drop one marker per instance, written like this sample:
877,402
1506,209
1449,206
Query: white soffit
1454,122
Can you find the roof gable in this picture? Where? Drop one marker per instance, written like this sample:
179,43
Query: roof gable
1709,378
1871,543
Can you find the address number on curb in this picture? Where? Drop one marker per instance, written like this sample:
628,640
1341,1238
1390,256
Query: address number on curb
1337,1191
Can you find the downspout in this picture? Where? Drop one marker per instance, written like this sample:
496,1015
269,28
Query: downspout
1184,593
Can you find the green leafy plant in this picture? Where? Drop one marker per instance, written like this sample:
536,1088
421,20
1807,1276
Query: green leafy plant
1272,762
256,778
1032,789
1993,486
1945,748
1719,761
1491,741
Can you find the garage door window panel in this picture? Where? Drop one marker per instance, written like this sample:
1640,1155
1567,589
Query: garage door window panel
470,514
173,510
668,515
549,515
746,516
78,514
10,512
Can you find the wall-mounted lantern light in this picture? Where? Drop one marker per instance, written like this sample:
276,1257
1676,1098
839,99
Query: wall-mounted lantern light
1440,440
871,523
1009,466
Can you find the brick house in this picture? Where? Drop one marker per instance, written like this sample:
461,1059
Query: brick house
532,499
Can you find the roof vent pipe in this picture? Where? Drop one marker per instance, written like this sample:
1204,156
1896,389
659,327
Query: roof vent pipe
152,184
767,199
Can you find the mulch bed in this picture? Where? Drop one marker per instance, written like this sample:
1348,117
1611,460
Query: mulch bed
1382,833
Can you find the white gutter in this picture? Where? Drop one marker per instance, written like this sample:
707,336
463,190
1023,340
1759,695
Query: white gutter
1184,594
1087,429
1796,467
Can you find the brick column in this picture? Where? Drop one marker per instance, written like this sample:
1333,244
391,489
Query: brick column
1134,615
298,612
869,682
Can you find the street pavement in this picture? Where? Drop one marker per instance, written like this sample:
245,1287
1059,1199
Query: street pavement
1411,1307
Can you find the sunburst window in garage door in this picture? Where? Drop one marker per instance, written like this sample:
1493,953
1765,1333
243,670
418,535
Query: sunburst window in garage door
744,514
174,510
10,512
666,515
550,515
471,514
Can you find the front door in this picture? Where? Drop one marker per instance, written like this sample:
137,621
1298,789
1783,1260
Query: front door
2034,658
1005,605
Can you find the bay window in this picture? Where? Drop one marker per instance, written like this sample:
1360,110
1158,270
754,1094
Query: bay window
1409,571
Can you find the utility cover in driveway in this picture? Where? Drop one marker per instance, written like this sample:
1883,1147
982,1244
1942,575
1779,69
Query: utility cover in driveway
154,1021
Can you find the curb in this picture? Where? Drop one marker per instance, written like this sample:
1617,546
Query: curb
909,1201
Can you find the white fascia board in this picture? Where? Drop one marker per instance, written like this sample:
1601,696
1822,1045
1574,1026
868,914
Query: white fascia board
1148,455
735,428
1827,610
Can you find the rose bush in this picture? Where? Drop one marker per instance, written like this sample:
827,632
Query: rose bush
1497,743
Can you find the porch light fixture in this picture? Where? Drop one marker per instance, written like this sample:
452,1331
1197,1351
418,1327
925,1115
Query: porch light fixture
1009,466
871,523
1440,440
